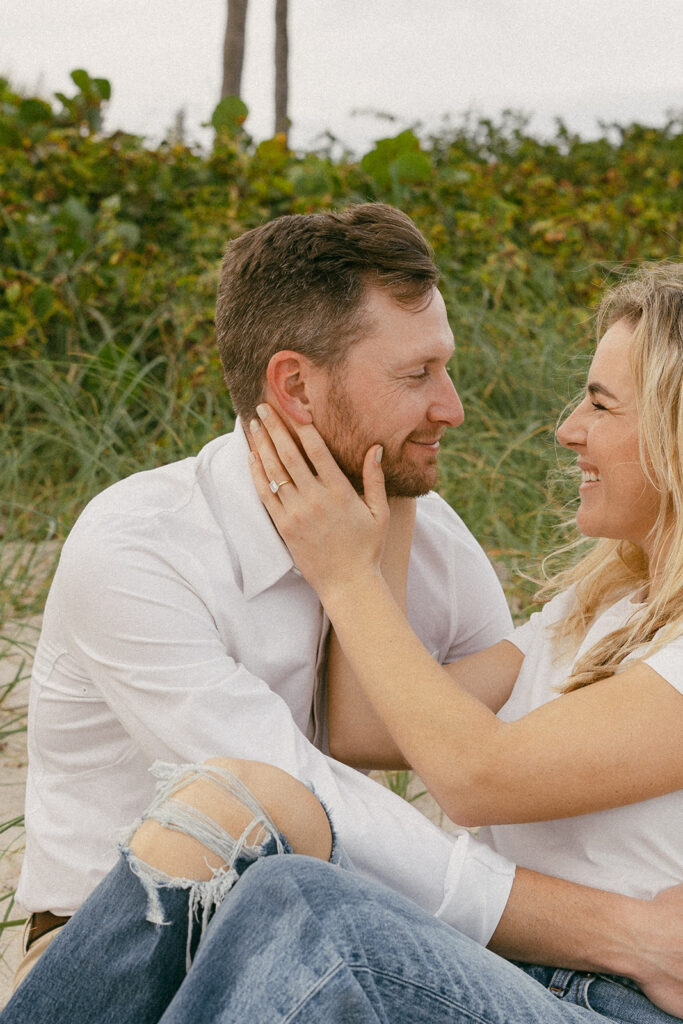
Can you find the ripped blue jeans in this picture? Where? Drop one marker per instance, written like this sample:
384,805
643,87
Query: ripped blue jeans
122,957
236,852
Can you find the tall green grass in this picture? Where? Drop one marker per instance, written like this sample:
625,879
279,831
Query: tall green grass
16,652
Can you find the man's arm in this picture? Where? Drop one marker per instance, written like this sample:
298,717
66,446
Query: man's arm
550,921
357,736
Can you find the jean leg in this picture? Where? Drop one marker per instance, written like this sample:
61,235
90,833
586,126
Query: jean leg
123,955
620,999
109,964
298,941
615,998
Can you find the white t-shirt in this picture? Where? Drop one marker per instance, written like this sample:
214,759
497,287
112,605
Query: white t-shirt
636,850
177,627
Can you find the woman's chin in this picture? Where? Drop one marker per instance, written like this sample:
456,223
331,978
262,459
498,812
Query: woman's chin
587,525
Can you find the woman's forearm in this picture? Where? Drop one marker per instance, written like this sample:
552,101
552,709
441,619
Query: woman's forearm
582,752
410,691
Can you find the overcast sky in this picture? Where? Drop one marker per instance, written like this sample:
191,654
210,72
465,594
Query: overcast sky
420,60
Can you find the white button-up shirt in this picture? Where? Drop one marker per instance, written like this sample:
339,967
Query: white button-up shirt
178,628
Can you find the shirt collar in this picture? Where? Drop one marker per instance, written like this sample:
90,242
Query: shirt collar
259,549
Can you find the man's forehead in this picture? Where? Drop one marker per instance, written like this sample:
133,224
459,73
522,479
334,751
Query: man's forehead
413,331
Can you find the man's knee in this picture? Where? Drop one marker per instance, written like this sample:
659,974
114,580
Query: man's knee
293,809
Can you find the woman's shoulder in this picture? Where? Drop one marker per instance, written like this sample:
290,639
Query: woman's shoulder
667,661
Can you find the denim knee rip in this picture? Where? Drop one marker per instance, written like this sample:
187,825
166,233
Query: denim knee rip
237,853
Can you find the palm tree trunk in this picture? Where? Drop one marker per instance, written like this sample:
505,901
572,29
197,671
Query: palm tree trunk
281,76
233,48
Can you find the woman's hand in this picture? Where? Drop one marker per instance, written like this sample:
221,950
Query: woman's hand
334,536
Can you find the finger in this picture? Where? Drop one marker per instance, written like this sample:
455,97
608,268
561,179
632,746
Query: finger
268,455
261,480
271,502
276,443
374,491
318,454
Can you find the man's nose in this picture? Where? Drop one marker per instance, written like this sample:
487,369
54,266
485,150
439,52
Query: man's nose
447,408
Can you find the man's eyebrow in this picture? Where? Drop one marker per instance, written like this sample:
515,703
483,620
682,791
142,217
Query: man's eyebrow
594,388
426,357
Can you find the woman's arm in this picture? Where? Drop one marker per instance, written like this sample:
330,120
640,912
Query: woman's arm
609,744
613,743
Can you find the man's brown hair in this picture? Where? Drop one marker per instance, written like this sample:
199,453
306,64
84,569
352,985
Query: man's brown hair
298,282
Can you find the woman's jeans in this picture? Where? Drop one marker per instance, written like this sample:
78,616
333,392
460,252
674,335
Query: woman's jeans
294,940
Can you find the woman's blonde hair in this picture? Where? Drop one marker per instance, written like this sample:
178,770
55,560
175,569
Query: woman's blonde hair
651,303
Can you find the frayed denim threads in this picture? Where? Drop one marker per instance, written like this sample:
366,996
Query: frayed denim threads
237,853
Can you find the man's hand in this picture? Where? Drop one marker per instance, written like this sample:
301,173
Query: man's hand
658,948
597,931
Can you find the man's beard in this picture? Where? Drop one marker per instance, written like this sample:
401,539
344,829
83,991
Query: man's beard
345,439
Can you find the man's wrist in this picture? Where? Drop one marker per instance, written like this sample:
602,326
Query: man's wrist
643,934
555,922
623,928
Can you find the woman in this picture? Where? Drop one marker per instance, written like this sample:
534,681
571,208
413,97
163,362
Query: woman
298,940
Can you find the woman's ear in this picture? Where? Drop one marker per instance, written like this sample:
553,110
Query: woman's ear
288,379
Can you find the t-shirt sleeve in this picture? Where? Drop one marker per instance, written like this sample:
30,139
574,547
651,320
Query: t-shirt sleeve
524,636
668,663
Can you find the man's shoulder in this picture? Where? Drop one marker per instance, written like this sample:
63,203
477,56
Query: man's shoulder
445,548
165,489
455,601
435,516
171,508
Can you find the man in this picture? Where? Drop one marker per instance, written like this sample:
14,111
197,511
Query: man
178,628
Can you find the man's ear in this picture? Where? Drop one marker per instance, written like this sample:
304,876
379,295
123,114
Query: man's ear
289,377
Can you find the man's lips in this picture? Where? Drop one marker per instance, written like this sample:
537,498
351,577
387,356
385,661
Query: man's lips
434,445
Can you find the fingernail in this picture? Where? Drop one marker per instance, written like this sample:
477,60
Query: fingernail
254,426
378,454
262,410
